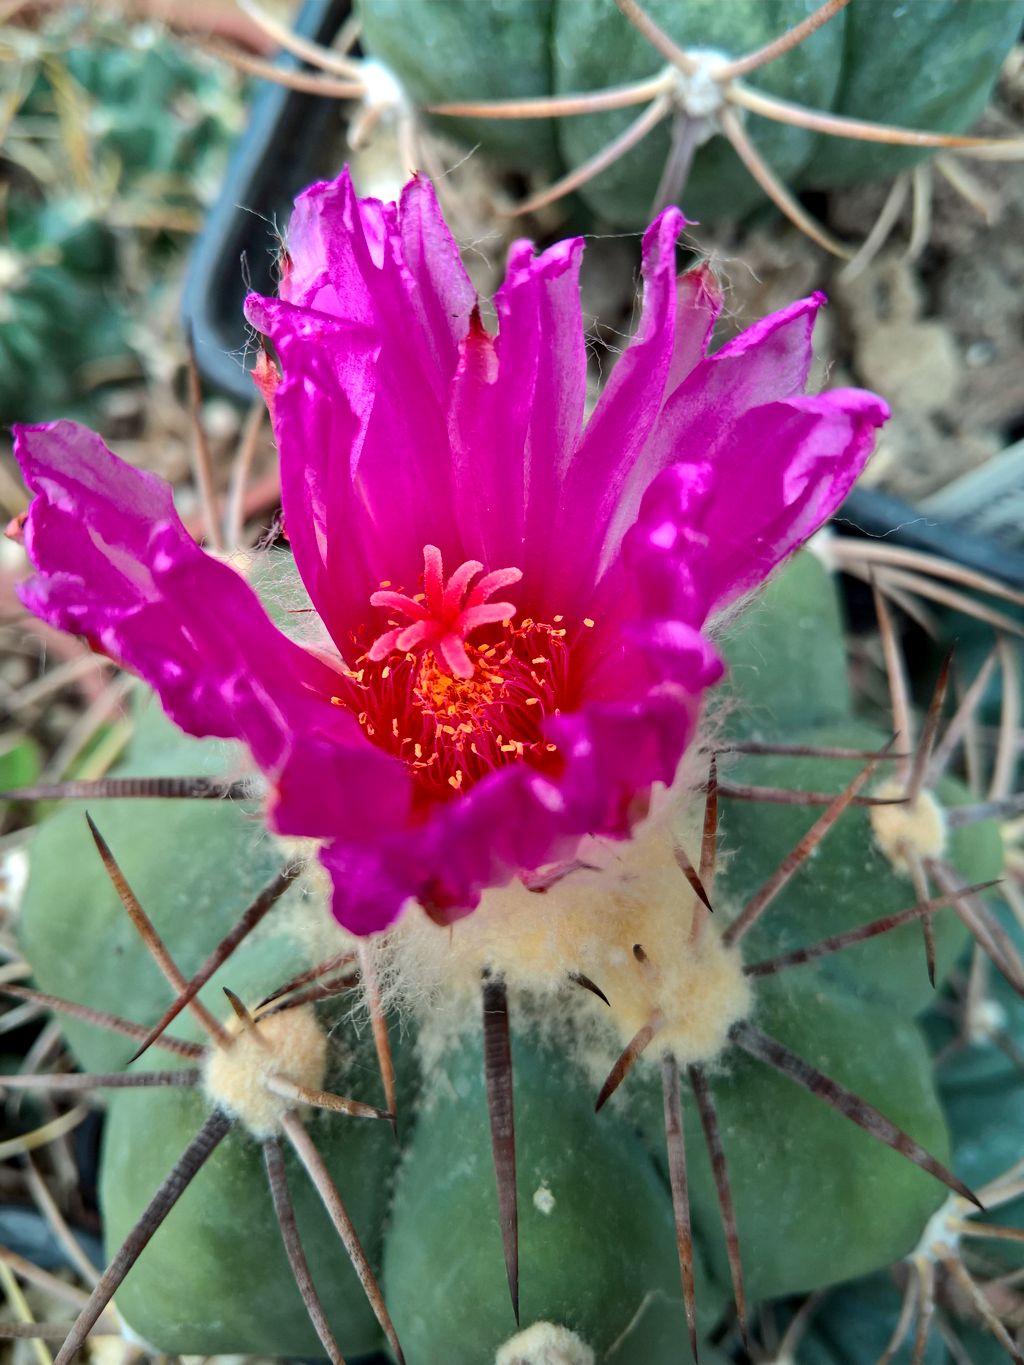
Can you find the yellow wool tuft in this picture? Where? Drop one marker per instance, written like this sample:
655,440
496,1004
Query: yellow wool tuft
917,827
693,990
291,1045
545,1343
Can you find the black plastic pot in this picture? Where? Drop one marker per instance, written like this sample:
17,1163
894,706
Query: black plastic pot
879,515
279,153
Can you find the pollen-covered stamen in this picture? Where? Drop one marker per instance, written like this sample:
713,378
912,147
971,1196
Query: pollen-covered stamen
444,615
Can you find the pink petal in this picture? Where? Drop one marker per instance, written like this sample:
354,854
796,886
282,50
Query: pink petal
620,425
698,304
115,563
441,295
356,513
322,407
355,259
711,531
328,788
543,372
394,275
372,882
769,361
782,472
328,252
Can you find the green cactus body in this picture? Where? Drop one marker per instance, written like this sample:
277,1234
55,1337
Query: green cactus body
595,1228
900,62
897,69
194,865
817,1200
215,1277
587,33
460,49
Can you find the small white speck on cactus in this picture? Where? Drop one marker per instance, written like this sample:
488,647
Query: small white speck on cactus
545,1343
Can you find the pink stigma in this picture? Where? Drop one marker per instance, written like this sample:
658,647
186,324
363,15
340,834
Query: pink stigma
445,614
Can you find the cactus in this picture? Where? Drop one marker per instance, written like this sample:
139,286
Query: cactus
117,143
719,933
596,1238
627,142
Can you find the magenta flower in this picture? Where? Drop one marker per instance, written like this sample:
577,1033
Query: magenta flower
513,600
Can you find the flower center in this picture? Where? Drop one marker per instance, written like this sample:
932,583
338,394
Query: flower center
455,709
444,614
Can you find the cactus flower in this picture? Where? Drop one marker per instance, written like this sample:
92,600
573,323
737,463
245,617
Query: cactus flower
507,646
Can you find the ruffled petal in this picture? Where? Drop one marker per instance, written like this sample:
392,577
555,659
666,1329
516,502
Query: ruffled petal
322,407
543,363
438,292
621,424
365,467
516,412
330,243
780,474
767,362
332,784
360,261
372,882
709,531
115,563
394,275
698,304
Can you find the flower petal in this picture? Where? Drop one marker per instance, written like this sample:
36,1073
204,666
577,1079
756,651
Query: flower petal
621,424
322,408
331,784
360,261
395,272
516,412
709,532
365,467
543,366
698,304
115,563
372,882
780,473
767,362
438,292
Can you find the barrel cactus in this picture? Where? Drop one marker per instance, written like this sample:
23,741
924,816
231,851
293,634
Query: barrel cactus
732,111
567,872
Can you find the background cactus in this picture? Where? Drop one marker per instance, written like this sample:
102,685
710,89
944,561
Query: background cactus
816,1200
117,140
855,65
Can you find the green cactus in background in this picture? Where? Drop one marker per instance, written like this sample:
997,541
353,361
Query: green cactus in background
717,128
747,1041
116,142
